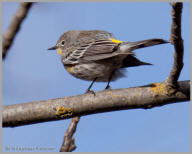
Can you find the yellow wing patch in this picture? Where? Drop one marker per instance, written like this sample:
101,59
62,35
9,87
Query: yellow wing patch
115,41
59,51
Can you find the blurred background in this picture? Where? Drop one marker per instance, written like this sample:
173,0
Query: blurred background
30,73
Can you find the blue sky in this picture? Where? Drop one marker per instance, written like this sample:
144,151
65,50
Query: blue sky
30,73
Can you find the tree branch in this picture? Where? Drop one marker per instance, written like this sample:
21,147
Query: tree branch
68,141
14,27
177,41
156,94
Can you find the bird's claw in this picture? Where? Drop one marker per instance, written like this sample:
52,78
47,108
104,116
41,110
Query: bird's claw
108,87
90,92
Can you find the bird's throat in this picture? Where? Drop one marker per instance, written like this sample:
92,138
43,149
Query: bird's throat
59,51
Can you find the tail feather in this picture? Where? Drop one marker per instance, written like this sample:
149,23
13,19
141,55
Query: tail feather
131,61
150,42
130,46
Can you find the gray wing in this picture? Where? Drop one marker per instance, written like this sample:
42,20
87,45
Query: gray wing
92,51
100,49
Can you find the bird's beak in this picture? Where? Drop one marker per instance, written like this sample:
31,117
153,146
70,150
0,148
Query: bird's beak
53,48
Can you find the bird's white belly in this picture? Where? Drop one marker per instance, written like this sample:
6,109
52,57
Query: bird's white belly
90,71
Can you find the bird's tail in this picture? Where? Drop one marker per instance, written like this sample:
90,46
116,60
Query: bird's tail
131,61
130,46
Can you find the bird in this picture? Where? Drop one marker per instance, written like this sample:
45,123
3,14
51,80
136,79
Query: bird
97,56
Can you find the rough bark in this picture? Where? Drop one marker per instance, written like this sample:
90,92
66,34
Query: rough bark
156,94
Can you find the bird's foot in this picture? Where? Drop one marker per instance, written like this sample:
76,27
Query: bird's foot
107,87
88,91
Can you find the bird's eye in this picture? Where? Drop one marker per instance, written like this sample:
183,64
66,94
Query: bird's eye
62,43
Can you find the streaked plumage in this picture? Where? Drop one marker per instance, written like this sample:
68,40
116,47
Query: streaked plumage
97,56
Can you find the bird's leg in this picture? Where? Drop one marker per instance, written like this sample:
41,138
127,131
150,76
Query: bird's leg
110,77
88,90
108,86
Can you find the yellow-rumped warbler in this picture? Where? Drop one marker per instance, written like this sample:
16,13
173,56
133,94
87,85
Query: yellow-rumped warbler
97,56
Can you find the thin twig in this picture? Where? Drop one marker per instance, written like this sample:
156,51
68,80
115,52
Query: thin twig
69,141
177,41
14,27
